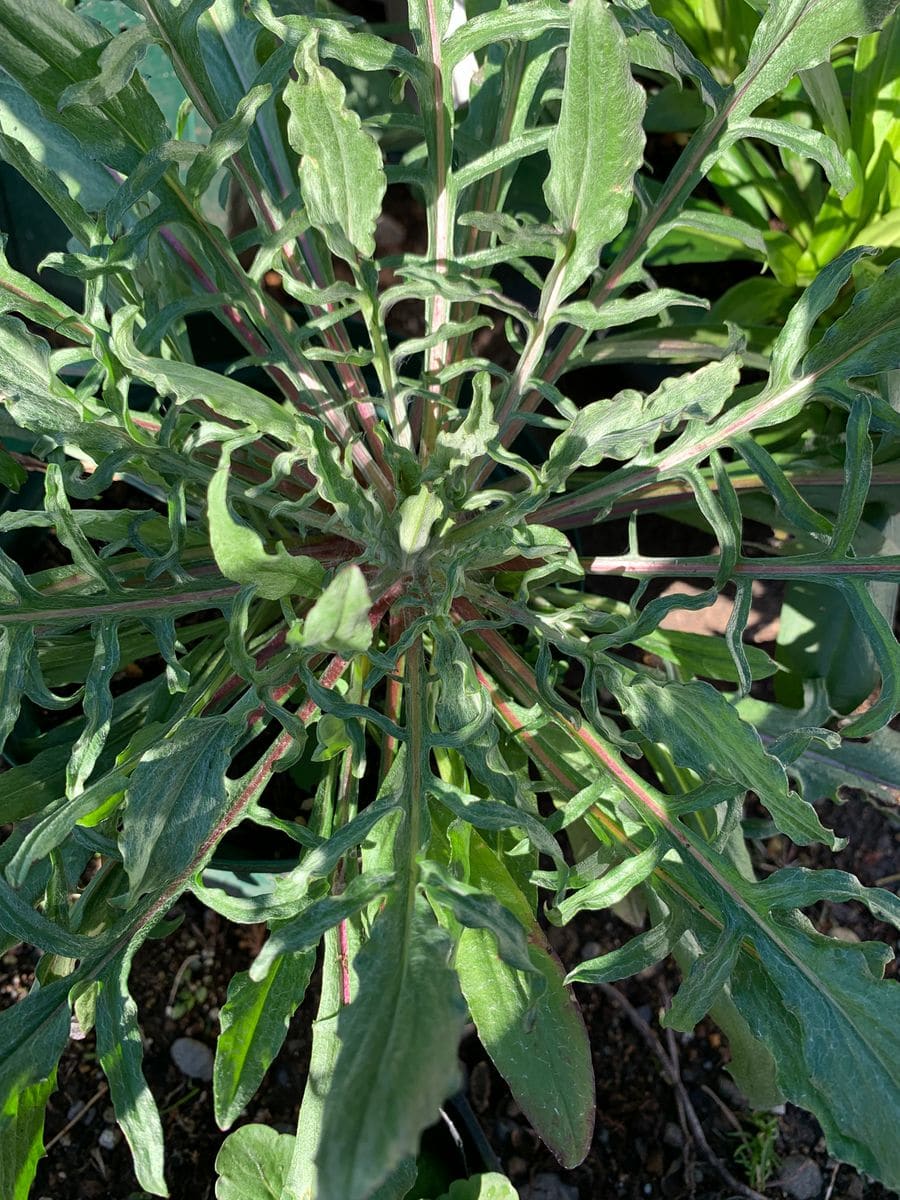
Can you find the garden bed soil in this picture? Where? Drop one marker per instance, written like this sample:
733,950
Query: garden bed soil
642,1146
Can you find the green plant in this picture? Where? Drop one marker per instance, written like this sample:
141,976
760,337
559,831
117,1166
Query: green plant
806,214
756,1151
351,574
806,219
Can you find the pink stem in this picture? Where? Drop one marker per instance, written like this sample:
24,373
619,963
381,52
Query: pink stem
345,962
241,327
887,566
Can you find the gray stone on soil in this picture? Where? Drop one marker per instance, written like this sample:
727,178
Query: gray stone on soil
855,1188
109,1138
672,1136
800,1177
730,1092
192,1058
548,1187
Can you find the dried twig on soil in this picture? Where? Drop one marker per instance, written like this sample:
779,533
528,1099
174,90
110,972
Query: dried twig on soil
834,1171
673,1075
683,1121
729,1115
82,1112
189,963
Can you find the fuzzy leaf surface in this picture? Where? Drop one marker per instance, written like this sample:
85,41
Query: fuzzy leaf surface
341,174
173,798
397,1062
597,145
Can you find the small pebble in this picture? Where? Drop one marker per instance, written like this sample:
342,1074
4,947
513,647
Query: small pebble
800,1178
108,1139
842,934
192,1058
548,1187
672,1135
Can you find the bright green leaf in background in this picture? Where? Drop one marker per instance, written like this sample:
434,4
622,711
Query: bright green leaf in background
481,1187
254,1021
252,1164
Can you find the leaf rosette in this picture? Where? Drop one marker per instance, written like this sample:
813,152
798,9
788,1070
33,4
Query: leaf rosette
360,563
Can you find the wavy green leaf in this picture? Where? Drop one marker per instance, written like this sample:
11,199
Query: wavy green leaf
794,35
50,50
121,1050
536,1039
35,1031
477,910
241,555
703,732
596,147
254,1021
118,61
174,797
619,428
341,174
829,1020
305,931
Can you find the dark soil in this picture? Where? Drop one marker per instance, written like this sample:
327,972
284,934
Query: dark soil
641,1148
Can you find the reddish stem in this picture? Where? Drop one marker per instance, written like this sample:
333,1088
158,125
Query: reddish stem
344,955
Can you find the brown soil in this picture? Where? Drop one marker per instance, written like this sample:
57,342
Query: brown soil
641,1148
